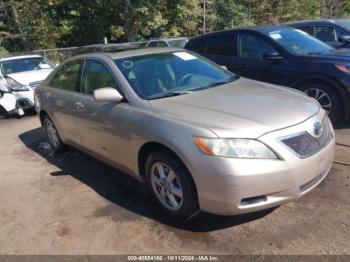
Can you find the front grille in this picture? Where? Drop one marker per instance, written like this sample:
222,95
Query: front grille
304,145
34,85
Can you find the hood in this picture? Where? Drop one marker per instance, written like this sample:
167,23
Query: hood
27,77
243,108
336,54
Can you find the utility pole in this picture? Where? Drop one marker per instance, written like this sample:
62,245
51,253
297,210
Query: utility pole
204,18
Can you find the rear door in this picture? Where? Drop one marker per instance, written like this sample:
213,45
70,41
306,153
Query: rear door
103,126
61,94
222,48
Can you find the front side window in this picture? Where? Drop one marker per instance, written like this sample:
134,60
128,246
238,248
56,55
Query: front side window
67,77
307,29
171,73
24,64
298,42
326,34
96,75
221,45
253,46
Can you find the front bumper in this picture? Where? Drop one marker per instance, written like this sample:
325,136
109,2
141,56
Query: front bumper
14,100
234,186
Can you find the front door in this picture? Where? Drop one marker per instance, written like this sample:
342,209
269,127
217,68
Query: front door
104,127
252,64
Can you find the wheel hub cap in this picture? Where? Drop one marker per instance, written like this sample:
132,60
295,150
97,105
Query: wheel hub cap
166,186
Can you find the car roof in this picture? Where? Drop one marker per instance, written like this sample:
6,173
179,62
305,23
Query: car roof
18,57
262,29
132,52
167,39
326,21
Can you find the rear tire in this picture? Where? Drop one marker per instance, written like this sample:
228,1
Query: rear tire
52,135
327,97
171,185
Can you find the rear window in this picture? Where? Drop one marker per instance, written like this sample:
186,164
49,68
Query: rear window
221,45
196,44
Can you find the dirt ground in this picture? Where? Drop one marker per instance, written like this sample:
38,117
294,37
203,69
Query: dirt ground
73,204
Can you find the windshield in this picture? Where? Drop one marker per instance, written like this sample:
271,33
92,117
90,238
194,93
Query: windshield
179,43
344,23
24,64
172,73
299,42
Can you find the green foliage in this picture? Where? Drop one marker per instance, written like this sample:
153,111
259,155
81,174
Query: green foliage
42,24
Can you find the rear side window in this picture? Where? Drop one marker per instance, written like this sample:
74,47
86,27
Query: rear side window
96,75
223,44
196,44
307,29
67,77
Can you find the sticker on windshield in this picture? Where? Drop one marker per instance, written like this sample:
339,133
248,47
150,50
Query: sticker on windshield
275,36
128,64
185,56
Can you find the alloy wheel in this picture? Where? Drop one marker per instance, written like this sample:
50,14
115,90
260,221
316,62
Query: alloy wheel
52,133
321,96
166,186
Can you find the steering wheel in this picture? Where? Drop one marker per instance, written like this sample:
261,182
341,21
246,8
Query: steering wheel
185,78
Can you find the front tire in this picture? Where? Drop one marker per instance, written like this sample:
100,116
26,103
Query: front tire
171,185
52,135
327,98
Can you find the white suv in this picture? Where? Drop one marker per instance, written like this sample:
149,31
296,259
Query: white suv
19,76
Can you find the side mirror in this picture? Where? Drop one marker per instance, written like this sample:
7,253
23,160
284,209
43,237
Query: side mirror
345,38
107,94
272,56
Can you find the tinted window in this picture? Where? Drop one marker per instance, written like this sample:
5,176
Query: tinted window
153,44
154,76
325,34
307,29
162,44
196,44
253,46
24,64
67,77
96,75
221,45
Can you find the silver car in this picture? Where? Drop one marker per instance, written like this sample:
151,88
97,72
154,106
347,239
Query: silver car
200,137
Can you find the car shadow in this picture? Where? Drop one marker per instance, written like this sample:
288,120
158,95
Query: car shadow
123,190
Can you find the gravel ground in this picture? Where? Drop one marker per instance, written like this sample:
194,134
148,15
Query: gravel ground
73,204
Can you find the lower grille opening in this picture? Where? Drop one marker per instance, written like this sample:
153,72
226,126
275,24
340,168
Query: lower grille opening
253,200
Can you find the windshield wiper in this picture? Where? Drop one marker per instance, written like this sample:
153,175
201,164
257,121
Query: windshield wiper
215,83
171,93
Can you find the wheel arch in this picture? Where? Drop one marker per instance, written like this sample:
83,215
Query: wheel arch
149,147
329,81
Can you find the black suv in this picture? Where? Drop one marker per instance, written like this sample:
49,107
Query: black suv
284,56
335,32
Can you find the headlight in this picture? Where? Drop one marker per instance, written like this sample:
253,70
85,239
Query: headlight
13,85
344,68
235,148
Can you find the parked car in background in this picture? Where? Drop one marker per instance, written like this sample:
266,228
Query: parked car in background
19,76
201,137
335,32
283,56
177,42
